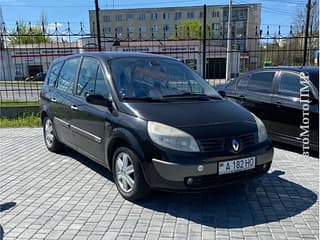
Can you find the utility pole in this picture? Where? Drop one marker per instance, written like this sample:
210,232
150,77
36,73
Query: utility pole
228,67
306,33
98,24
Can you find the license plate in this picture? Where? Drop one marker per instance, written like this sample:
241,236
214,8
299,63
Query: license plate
237,165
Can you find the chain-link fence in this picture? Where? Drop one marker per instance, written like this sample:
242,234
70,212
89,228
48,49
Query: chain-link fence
26,54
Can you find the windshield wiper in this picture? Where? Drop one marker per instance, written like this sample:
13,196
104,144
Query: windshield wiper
192,95
144,99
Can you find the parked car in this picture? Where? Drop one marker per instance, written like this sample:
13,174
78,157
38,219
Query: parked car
152,121
273,94
37,77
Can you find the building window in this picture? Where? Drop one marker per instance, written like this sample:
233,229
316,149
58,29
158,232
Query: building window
154,16
239,24
201,14
154,28
106,30
130,17
215,26
119,18
190,15
19,69
142,16
130,29
178,15
106,18
166,28
166,16
143,29
118,29
215,14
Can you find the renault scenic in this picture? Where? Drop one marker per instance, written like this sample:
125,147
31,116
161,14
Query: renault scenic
152,121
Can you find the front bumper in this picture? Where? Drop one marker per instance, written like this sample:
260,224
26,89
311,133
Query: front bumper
167,175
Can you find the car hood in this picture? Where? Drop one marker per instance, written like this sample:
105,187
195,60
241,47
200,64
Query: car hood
191,115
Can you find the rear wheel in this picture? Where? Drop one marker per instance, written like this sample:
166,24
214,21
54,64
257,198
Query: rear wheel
50,138
128,175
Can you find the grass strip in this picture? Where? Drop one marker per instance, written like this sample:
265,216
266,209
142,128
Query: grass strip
31,120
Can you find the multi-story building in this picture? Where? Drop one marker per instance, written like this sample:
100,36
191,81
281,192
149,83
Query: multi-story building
160,23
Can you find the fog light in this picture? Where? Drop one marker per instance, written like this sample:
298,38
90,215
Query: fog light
200,168
189,181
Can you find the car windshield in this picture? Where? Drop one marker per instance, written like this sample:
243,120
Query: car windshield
157,78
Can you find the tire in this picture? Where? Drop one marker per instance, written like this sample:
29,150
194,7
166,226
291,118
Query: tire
129,179
49,135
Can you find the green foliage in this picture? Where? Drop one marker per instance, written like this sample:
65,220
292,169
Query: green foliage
27,34
18,104
31,120
191,29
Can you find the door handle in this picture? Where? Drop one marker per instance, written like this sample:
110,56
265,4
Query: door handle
278,104
242,98
74,107
53,99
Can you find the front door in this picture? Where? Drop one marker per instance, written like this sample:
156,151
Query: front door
90,123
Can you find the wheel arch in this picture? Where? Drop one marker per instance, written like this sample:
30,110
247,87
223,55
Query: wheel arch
122,138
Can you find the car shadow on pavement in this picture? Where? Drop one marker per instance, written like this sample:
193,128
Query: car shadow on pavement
268,198
4,207
88,163
1,232
7,206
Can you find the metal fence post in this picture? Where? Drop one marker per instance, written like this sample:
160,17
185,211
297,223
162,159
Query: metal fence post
204,41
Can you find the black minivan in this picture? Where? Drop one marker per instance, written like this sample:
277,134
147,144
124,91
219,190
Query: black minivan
152,121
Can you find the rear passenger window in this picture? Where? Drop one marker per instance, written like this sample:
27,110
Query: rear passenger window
67,75
261,82
87,77
289,84
101,84
243,82
53,75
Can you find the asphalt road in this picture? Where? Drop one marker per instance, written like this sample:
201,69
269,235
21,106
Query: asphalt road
67,196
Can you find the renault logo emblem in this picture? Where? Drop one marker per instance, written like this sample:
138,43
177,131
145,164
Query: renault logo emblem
235,145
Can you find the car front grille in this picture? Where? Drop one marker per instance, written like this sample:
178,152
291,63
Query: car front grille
225,144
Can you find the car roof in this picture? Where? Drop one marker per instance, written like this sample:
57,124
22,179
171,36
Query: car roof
113,55
308,69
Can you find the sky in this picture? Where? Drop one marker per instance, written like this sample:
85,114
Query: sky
274,12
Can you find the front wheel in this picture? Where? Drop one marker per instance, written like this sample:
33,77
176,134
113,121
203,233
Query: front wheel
128,175
50,138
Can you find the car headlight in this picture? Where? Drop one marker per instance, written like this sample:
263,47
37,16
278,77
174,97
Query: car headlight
171,137
262,132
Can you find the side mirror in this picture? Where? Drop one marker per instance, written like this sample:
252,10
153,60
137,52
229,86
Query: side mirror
222,93
98,99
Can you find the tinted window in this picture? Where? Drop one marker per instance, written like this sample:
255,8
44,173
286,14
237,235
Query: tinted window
67,74
53,75
289,84
101,84
261,82
242,82
87,77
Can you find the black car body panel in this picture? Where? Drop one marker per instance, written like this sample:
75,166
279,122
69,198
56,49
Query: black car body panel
98,130
281,109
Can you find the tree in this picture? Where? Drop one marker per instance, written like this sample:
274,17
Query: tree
191,29
27,34
301,16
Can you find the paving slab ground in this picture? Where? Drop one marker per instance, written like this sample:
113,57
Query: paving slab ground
67,196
